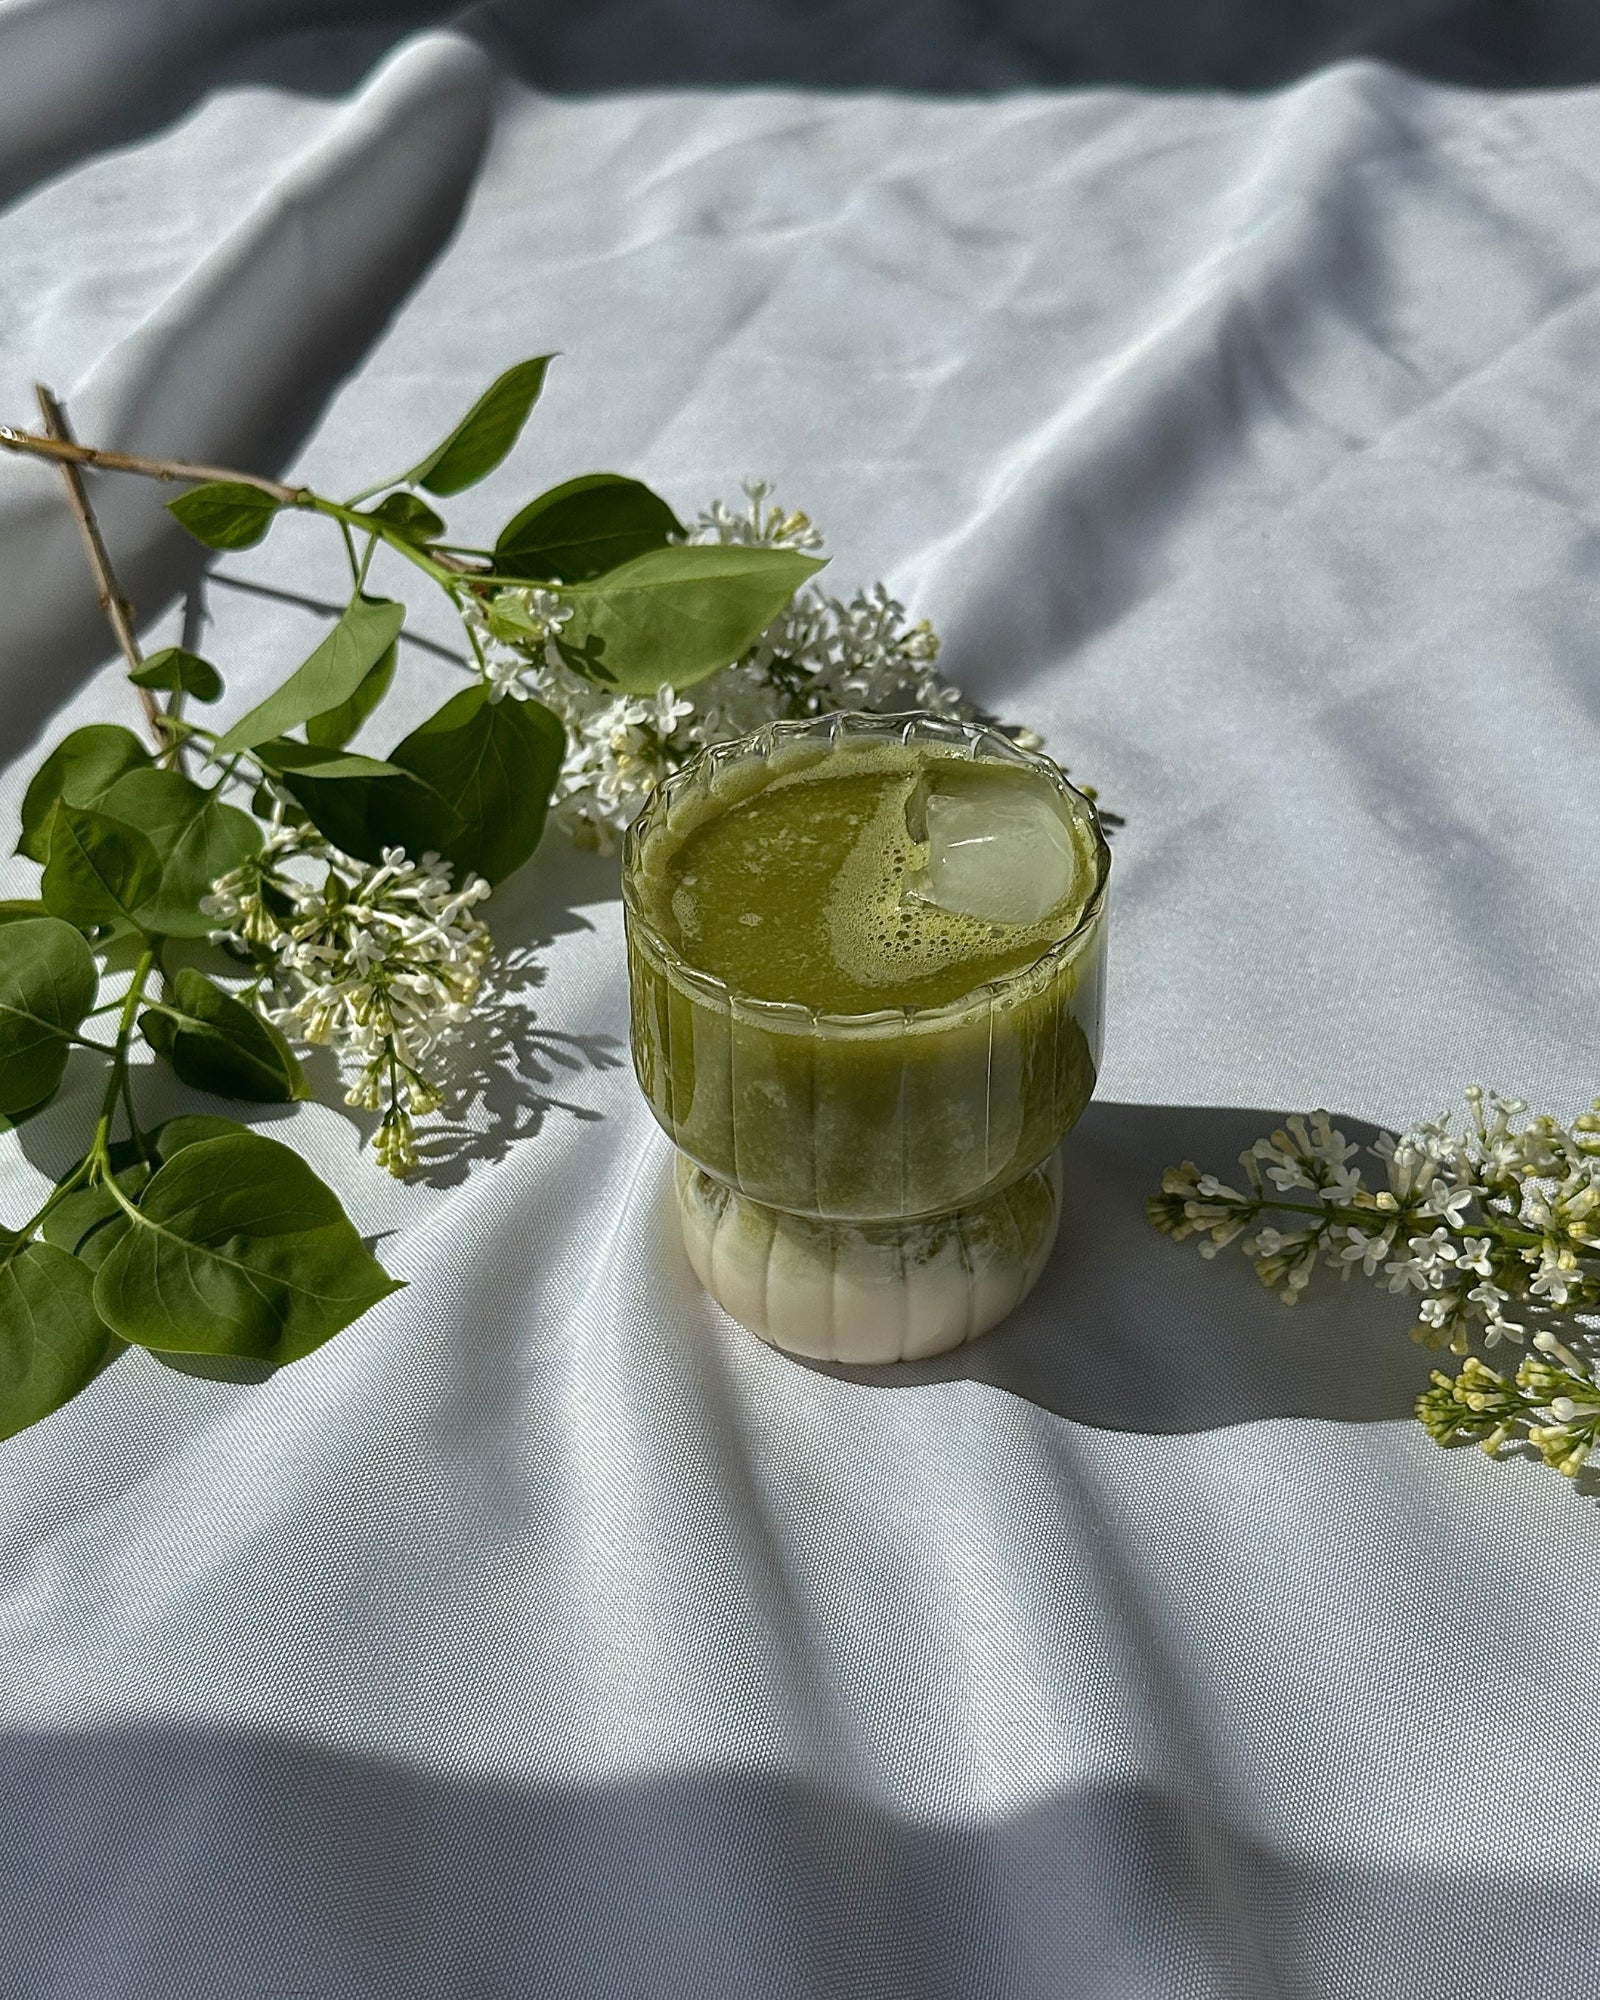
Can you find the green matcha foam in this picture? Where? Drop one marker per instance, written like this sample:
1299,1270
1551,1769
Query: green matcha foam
824,878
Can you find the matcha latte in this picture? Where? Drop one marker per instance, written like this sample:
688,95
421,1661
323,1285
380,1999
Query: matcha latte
866,972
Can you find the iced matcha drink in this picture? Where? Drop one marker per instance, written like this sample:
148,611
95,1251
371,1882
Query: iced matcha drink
866,970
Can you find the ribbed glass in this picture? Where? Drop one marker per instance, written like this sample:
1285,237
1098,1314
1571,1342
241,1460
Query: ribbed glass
903,1112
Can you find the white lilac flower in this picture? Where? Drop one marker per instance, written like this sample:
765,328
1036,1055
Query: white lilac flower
1367,1251
1565,1410
758,525
516,631
1419,1269
1341,1187
1473,1255
1496,1329
1558,1276
1495,1229
1411,1159
1284,1168
1450,1202
1490,1301
380,964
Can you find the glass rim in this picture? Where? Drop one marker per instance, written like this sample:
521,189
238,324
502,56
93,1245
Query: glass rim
982,740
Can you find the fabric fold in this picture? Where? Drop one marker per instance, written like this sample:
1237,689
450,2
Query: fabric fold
238,362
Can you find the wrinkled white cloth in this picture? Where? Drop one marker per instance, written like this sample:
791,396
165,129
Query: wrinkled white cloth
546,1634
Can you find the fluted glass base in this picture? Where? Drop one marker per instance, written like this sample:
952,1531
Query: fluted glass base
869,1292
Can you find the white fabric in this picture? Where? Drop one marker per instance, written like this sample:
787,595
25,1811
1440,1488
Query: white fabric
544,1633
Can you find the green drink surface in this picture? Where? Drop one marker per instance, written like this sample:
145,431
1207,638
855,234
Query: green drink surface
806,879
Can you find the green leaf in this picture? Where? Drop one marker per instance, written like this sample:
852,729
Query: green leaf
52,1341
331,675
18,909
239,1249
496,763
79,769
486,433
216,1043
225,513
362,804
189,1129
333,729
679,614
196,838
584,528
47,985
100,870
89,1221
410,518
180,672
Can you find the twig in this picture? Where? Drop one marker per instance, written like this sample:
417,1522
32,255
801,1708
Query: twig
67,451
112,602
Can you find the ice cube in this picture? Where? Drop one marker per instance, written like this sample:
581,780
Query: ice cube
999,850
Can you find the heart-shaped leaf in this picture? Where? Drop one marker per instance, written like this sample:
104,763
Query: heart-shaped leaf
225,513
180,672
584,528
362,804
486,433
79,769
196,838
238,1249
496,763
216,1043
678,614
332,674
100,870
47,985
52,1341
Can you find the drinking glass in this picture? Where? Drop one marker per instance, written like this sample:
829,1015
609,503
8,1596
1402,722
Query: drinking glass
878,1186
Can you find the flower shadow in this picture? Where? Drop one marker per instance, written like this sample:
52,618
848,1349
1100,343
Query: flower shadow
1130,1331
496,1076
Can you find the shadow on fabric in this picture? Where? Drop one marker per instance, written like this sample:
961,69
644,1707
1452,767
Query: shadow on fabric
1132,1332
81,75
144,1863
243,356
930,45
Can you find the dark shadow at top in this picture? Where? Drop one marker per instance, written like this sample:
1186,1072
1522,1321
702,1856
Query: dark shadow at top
143,1863
1132,1332
78,76
989,46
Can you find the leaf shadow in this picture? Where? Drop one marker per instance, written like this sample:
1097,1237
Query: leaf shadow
196,615
1129,1331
